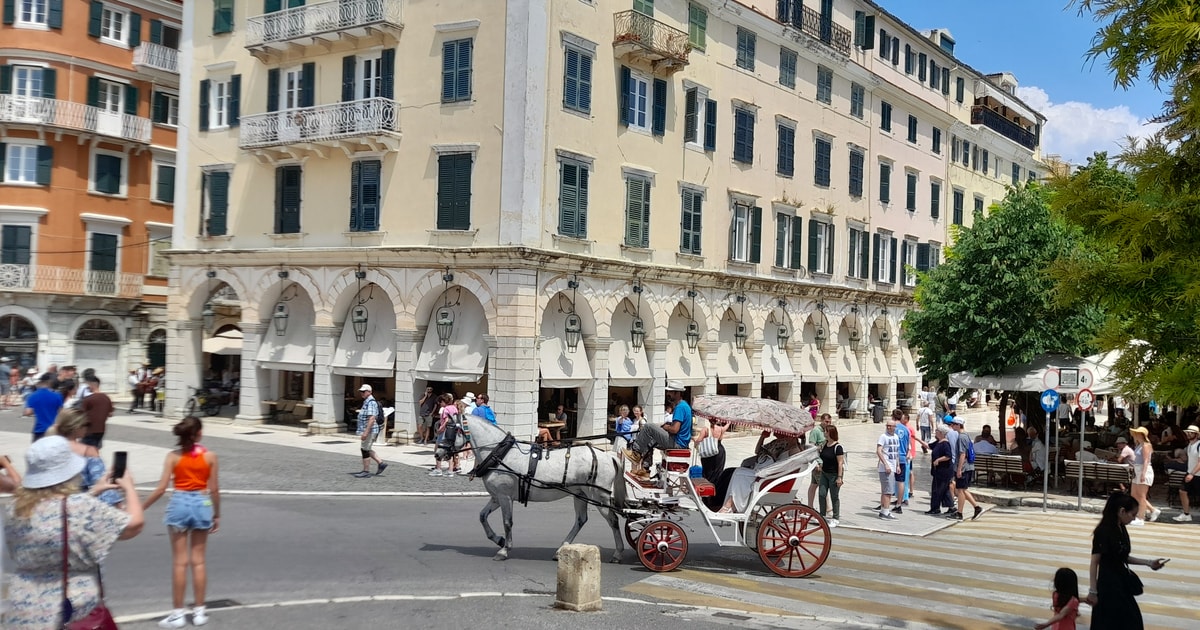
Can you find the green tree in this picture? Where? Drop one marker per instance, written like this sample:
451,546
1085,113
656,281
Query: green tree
992,303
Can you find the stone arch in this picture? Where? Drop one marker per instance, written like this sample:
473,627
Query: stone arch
344,289
556,293
113,321
198,287
621,318
259,305
43,332
674,300
426,292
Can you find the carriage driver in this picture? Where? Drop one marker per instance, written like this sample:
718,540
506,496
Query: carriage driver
675,433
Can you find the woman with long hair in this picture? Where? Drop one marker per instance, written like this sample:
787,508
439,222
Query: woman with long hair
1112,587
34,537
193,513
833,467
72,424
1143,476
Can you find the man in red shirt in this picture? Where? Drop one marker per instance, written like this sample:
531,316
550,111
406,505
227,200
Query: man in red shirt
99,408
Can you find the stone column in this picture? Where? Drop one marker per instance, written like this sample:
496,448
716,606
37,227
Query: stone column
653,396
408,348
253,387
513,381
829,399
593,416
794,396
708,354
754,354
864,386
184,354
327,411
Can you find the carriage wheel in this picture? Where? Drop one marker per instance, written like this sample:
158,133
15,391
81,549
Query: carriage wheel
662,546
793,540
634,528
753,521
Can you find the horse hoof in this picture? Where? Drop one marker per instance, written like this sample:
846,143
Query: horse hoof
615,559
500,543
554,557
501,556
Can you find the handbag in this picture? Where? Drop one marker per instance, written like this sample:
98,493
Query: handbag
709,447
1133,583
100,618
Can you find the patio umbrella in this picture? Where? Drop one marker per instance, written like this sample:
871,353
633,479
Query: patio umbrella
755,413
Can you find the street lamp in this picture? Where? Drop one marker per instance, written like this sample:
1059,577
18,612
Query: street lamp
444,319
693,329
208,313
782,335
855,336
358,315
574,325
885,337
637,330
739,332
821,335
280,317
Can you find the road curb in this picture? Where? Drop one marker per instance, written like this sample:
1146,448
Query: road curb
337,493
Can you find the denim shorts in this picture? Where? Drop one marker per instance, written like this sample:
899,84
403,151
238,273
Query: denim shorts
189,510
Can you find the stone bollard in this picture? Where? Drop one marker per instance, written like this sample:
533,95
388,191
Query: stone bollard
578,578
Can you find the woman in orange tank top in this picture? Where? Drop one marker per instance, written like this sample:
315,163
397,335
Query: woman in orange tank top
193,513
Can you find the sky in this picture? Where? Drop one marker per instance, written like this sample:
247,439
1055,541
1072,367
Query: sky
1043,43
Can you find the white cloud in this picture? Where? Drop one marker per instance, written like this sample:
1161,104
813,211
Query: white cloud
1075,130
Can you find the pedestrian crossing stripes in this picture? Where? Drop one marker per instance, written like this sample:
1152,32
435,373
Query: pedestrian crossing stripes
991,573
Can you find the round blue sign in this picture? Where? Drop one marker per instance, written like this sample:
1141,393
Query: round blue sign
1050,400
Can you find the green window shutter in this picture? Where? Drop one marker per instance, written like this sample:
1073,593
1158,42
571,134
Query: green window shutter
864,256
45,164
271,6
960,85
54,14
234,115
885,183
868,33
204,88
222,16
831,247
786,158
710,125
781,236
462,79
273,90
691,115
922,257
883,43
387,63
892,263
577,81
568,198
814,254
308,84
449,50
797,242
16,244
355,195
135,30
454,192
10,11
158,107
95,14
946,81
581,219
370,194
349,66
6,73
856,174
462,191
658,122
922,66
743,136
822,158
49,83
218,198
288,182
3,156
637,212
756,235
876,244
445,193
166,184
903,257
104,252
93,92
626,90
156,31
131,100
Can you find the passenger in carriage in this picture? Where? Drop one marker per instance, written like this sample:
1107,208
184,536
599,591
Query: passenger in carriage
767,460
674,433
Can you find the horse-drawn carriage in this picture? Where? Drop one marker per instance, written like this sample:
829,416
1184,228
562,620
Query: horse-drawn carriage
791,539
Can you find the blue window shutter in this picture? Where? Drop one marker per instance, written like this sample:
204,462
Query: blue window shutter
585,82
710,125
95,15
308,84
626,90
797,242
369,196
45,163
462,83
234,115
273,90
756,235
659,120
571,78
54,14
355,195
218,197
387,70
814,255
204,88
135,30
156,31
349,66
449,50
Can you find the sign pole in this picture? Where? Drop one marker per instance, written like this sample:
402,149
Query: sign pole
1086,399
1050,400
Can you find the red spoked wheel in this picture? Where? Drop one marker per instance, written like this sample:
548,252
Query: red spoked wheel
661,546
633,530
793,540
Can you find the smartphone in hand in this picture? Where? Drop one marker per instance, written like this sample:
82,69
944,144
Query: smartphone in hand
120,459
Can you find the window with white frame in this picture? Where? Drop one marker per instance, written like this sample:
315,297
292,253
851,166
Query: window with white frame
699,117
163,184
820,246
788,244
27,83
20,163
908,262
114,25
31,12
741,231
885,256
638,102
218,108
691,220
860,253
109,172
110,96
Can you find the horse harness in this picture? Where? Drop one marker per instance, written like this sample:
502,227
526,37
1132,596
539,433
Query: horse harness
537,453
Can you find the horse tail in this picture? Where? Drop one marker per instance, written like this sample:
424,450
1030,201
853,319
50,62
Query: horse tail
618,494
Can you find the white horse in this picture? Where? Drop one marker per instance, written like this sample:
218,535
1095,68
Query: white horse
583,473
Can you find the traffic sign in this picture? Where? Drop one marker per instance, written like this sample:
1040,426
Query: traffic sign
1049,400
1085,398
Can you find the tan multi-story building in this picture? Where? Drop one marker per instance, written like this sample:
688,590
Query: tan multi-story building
89,106
556,201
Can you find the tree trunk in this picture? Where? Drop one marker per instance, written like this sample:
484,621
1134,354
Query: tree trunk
1003,425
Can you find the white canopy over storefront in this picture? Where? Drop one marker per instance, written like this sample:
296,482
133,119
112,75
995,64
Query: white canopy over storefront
561,368
627,368
813,367
908,371
845,364
776,365
376,354
733,366
464,358
683,365
1043,372
878,369
228,343
293,350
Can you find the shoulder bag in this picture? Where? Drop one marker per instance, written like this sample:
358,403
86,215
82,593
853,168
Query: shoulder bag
100,618
709,448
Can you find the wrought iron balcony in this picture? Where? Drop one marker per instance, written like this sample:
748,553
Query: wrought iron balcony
644,37
69,281
809,22
373,122
322,22
981,115
156,57
77,117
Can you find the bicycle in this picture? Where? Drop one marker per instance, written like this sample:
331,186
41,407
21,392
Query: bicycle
202,399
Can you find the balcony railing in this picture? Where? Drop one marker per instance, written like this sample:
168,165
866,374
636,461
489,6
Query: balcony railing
321,18
981,115
69,281
157,57
74,116
656,41
323,123
809,22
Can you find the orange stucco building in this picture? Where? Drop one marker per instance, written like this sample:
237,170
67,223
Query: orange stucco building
89,94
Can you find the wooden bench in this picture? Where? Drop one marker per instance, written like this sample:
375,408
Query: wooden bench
1100,473
1003,466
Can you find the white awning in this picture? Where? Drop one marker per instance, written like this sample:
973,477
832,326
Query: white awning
733,366
878,369
561,368
683,365
627,368
375,356
228,343
845,364
813,367
776,365
464,358
908,371
292,351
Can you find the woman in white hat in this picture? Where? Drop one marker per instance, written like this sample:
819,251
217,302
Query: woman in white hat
1143,475
34,535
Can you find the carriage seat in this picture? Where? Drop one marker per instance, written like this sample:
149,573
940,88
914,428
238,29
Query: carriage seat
678,460
704,487
789,466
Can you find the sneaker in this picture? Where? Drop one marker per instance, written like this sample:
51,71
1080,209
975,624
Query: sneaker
1154,514
887,516
956,516
1137,522
898,510
176,620
1183,518
362,474
978,511
458,471
906,503
833,522
199,616
382,467
878,508
933,512
436,472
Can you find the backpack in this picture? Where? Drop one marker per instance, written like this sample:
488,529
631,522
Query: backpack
970,452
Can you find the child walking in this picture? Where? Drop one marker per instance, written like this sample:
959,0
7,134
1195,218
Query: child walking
1065,601
193,513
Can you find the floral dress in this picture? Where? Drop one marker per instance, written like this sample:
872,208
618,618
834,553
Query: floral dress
35,546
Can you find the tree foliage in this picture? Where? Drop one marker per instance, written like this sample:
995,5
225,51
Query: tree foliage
992,303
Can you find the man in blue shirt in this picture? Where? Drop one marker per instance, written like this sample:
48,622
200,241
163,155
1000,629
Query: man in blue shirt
675,433
483,409
43,405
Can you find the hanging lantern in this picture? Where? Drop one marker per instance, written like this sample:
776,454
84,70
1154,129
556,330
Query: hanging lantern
821,337
445,325
574,331
280,318
637,333
885,338
358,319
209,316
782,335
854,339
693,336
739,336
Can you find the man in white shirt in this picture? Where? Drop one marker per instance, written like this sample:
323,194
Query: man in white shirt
887,450
1037,449
1191,482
